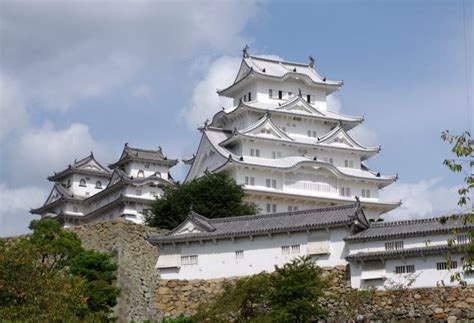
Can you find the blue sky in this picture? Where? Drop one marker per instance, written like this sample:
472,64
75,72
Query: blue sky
94,75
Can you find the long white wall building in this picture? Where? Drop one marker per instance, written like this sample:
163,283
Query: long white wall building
87,192
408,254
283,144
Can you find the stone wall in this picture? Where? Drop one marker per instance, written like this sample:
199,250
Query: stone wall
136,258
174,297
145,297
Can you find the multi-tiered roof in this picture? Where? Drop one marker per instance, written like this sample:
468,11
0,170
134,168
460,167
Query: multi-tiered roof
253,120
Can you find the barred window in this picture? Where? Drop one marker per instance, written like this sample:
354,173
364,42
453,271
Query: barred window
463,238
446,265
285,250
189,260
295,248
393,245
239,254
405,269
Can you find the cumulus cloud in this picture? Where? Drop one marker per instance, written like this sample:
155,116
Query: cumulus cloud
13,115
60,52
204,101
52,149
423,199
364,135
16,204
333,103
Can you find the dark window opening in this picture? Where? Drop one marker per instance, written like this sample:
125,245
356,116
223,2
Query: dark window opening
280,95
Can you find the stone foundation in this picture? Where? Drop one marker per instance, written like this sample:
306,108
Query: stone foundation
175,297
145,297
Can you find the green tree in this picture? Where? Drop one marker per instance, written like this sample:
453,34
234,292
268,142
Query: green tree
48,276
463,162
215,195
296,288
290,294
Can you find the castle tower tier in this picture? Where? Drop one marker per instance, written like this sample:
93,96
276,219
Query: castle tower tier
283,144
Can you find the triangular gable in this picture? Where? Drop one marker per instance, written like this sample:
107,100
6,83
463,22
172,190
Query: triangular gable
194,223
340,137
55,194
266,128
300,105
117,176
188,228
92,165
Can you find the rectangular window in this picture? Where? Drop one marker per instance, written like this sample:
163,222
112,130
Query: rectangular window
405,269
363,193
252,181
309,133
463,238
270,93
345,191
315,134
147,165
274,183
290,208
246,180
346,163
249,96
295,248
446,266
257,152
302,151
239,254
138,192
269,208
274,208
74,209
189,260
308,98
331,161
285,250
280,95
252,152
268,183
394,245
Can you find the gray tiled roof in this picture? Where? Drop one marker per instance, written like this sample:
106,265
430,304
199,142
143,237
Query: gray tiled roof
268,223
130,153
431,250
389,230
77,168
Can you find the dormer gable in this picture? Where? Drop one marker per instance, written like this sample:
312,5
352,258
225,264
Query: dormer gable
56,193
300,105
194,223
339,137
265,127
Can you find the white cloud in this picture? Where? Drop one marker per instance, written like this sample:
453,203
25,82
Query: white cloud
364,135
61,52
13,115
333,102
41,151
16,204
204,101
425,198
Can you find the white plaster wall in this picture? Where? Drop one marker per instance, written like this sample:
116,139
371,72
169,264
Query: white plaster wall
408,242
293,86
425,275
148,169
218,260
90,188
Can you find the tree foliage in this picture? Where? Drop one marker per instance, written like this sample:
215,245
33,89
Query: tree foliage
214,195
48,276
462,162
290,294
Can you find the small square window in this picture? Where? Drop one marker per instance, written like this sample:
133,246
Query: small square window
138,192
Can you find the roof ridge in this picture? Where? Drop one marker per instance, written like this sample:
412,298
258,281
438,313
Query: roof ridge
279,214
278,61
403,222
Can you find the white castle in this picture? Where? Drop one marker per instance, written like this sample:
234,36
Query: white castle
298,163
87,192
280,140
